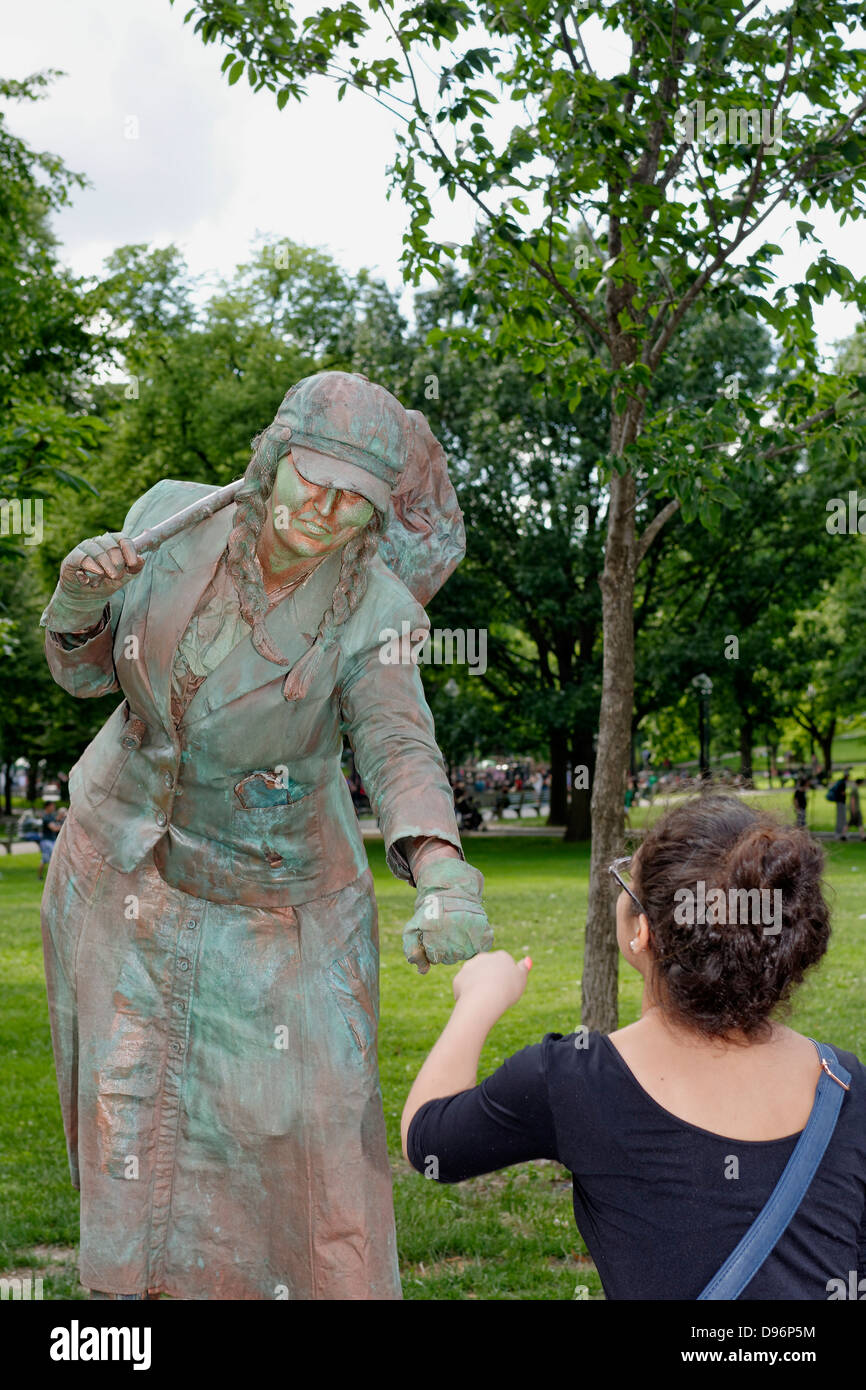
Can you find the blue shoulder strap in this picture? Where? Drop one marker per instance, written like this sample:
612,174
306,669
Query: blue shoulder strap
743,1263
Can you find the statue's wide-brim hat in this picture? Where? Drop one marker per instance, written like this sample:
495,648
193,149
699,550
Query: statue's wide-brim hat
346,432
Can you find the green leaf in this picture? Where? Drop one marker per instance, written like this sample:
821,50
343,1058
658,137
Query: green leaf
236,71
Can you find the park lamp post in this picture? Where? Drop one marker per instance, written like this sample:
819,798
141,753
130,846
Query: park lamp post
704,687
452,690
811,692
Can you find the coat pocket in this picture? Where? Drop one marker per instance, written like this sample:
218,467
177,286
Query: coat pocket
284,837
106,758
262,790
275,821
124,1123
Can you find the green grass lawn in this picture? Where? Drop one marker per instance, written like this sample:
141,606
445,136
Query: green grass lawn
507,1236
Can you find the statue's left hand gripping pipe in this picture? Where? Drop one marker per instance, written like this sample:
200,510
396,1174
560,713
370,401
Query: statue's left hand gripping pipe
209,922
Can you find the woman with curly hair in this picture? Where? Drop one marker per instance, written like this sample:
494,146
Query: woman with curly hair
209,922
677,1128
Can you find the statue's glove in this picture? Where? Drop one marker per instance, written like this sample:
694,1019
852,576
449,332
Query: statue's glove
111,561
449,923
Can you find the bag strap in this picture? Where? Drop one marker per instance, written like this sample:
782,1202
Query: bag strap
743,1263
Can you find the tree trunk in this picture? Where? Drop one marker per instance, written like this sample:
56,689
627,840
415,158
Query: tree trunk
826,741
580,810
32,770
7,794
772,761
601,953
558,786
746,733
703,739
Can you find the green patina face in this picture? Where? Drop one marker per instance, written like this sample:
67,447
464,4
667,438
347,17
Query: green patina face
310,521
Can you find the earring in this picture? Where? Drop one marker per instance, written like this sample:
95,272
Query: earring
633,944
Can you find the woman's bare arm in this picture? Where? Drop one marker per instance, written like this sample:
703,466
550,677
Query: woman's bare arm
484,989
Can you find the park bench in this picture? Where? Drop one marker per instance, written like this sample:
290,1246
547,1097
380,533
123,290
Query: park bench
526,798
518,801
10,832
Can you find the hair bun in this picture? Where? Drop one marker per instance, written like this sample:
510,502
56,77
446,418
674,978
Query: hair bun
772,856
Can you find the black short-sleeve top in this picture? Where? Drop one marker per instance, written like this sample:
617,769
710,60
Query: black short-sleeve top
659,1202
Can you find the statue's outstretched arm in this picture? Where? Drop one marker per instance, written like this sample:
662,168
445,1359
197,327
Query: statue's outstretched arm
391,731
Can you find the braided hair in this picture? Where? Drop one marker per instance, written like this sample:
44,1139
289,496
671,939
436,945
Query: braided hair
251,510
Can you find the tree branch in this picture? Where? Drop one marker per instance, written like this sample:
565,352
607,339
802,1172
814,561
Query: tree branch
816,419
545,271
583,49
569,48
652,529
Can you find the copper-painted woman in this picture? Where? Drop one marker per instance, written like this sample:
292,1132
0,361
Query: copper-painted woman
209,922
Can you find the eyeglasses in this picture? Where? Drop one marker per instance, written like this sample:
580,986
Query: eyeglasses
620,867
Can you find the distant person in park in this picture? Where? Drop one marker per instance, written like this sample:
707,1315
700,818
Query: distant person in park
855,813
676,1128
800,801
630,794
51,824
837,793
469,816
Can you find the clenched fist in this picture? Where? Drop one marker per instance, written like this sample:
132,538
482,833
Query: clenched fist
449,923
89,575
108,561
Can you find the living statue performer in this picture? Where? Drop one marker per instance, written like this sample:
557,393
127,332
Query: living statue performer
209,921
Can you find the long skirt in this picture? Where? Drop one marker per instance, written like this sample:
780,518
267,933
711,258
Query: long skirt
219,1085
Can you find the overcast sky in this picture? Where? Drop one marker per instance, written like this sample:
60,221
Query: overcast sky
214,165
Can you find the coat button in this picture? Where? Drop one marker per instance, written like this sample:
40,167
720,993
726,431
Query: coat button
168,779
161,818
183,965
191,924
